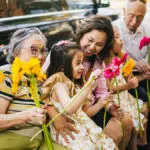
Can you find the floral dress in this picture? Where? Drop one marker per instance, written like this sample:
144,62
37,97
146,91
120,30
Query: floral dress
90,136
128,103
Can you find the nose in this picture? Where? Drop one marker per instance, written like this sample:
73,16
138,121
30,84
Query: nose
134,20
81,67
41,57
121,42
92,47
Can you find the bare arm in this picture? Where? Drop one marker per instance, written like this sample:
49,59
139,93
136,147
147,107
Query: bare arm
102,102
64,98
93,109
132,82
143,76
9,120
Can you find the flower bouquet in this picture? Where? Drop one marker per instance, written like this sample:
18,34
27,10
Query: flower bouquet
32,70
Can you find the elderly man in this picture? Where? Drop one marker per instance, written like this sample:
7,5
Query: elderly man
132,29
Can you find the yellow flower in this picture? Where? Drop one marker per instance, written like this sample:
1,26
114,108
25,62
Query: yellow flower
31,67
128,67
2,77
16,74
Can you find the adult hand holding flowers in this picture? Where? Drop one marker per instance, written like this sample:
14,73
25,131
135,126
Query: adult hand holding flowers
36,115
106,99
142,66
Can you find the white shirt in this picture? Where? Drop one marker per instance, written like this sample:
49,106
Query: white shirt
132,40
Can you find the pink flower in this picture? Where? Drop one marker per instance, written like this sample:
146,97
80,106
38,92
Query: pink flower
111,71
116,62
62,43
144,41
124,58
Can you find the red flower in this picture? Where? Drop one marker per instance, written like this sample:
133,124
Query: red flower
118,62
124,58
144,41
111,71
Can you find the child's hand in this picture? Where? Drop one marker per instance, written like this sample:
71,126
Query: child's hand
96,74
132,82
116,111
64,126
107,99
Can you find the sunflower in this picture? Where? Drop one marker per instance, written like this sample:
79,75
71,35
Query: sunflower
128,67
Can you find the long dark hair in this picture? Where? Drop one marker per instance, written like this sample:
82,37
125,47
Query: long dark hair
61,60
99,23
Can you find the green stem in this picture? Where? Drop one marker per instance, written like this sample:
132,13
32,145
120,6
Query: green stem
117,91
47,136
148,55
148,93
138,107
104,121
118,95
147,83
67,106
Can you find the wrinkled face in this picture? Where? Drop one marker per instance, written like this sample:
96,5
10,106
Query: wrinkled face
93,42
35,47
134,14
77,65
118,44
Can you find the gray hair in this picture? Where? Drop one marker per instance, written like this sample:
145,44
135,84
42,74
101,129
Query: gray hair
17,39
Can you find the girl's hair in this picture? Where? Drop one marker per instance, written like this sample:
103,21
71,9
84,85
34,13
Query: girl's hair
61,59
99,23
17,39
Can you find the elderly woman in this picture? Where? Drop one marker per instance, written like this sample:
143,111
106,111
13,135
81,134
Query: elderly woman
19,118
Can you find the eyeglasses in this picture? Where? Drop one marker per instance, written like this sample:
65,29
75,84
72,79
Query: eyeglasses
35,50
142,1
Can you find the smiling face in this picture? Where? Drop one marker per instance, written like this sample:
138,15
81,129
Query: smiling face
35,47
93,42
118,43
77,65
134,14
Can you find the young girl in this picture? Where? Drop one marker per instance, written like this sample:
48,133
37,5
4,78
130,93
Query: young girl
65,80
128,102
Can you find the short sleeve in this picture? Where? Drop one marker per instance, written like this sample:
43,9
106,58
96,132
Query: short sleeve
5,85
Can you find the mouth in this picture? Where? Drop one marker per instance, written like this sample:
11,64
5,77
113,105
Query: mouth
88,52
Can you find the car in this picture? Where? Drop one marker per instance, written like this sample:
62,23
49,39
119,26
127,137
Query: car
57,19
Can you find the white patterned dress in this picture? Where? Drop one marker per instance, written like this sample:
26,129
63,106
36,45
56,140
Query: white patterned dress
89,136
128,103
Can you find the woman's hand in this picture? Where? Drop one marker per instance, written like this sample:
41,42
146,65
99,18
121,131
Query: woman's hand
116,111
132,82
34,114
146,75
65,127
142,66
106,100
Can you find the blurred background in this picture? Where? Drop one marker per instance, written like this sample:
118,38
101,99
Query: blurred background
57,19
